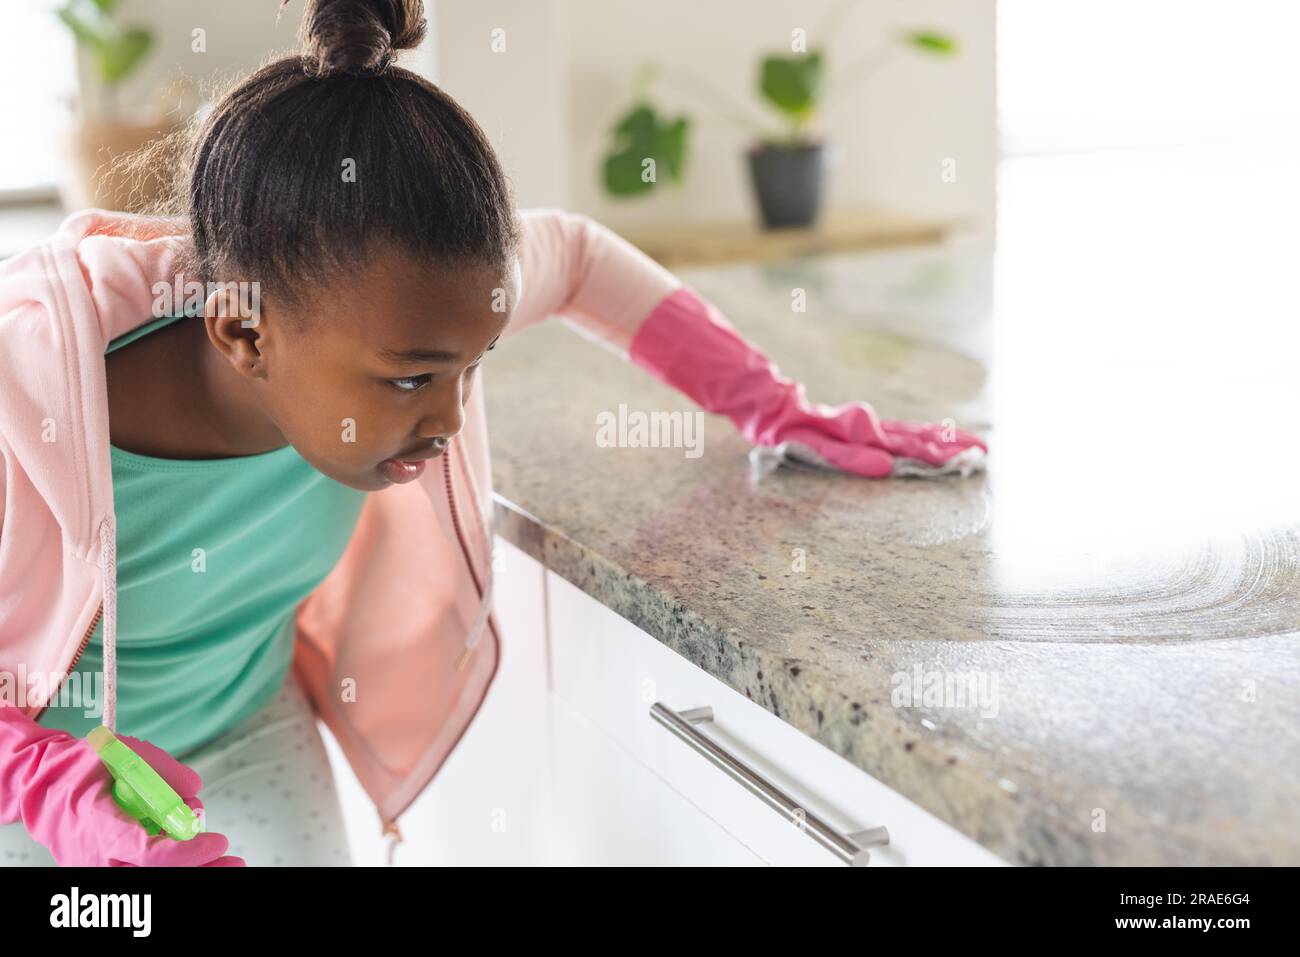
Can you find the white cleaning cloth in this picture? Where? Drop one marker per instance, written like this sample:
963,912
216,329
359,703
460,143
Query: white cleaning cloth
763,459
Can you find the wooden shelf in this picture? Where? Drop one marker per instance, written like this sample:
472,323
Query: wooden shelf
709,244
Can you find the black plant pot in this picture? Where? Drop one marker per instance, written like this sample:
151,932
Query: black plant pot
788,183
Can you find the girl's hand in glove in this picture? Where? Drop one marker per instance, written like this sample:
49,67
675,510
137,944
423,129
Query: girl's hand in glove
58,787
686,343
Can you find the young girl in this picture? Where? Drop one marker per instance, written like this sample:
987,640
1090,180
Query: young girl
277,490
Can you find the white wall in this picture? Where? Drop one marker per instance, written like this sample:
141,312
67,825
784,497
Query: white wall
513,83
892,132
568,68
240,36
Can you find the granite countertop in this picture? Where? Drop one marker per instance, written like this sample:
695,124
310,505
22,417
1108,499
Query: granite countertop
1119,607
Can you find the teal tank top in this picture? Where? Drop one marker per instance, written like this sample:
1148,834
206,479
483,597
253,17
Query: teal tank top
213,556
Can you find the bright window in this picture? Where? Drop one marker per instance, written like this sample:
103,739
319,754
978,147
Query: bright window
36,77
1103,74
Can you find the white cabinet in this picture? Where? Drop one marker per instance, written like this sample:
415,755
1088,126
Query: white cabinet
610,810
532,782
565,765
612,673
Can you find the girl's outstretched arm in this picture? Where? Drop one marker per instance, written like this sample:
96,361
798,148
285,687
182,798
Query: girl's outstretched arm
595,280
611,292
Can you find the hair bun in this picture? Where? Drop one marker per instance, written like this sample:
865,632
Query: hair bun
358,36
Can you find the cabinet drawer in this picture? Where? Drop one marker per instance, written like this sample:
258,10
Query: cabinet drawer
612,673
608,810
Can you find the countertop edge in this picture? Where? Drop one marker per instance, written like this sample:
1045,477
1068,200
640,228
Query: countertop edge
719,655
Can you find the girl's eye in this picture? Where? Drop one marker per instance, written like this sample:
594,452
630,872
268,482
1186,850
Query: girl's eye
415,382
411,383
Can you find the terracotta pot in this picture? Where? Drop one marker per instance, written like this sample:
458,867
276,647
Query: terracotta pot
92,178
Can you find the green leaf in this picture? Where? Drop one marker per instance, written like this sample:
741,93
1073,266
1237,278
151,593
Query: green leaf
623,174
639,124
934,43
672,146
640,135
792,84
118,50
122,53
92,35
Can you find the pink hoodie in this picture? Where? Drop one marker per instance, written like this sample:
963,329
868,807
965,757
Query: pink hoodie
388,646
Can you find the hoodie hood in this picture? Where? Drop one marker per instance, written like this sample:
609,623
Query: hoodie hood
88,285
64,300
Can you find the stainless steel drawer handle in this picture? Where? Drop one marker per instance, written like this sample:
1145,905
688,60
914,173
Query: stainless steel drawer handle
851,848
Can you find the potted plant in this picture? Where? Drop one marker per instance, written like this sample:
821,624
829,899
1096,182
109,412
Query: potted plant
787,167
788,171
104,134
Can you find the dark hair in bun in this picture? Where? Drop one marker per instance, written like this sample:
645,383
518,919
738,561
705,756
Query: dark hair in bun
267,189
350,37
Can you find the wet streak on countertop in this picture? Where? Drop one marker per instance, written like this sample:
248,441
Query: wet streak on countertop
1138,702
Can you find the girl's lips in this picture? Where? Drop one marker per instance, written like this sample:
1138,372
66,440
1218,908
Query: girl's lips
400,472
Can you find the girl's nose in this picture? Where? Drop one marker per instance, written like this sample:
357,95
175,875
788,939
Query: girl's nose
445,416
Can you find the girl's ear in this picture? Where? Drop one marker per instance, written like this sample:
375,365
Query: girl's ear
217,305
234,324
241,300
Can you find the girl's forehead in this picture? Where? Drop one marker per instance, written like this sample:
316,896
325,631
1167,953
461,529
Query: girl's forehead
403,281
406,306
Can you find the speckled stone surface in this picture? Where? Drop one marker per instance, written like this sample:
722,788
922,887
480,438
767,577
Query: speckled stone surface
1132,694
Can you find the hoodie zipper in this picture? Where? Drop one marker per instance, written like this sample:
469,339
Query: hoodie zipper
460,535
94,623
389,825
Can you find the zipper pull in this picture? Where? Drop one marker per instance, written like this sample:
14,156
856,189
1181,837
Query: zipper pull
480,620
390,827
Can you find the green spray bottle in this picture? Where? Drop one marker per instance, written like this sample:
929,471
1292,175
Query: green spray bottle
141,791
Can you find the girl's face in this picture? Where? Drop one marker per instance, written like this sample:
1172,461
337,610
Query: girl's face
371,383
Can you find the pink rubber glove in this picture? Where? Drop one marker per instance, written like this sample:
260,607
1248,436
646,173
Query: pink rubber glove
687,343
57,786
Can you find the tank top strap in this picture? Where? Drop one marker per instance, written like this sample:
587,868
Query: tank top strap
143,330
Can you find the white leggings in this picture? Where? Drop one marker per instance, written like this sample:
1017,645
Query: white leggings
267,786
